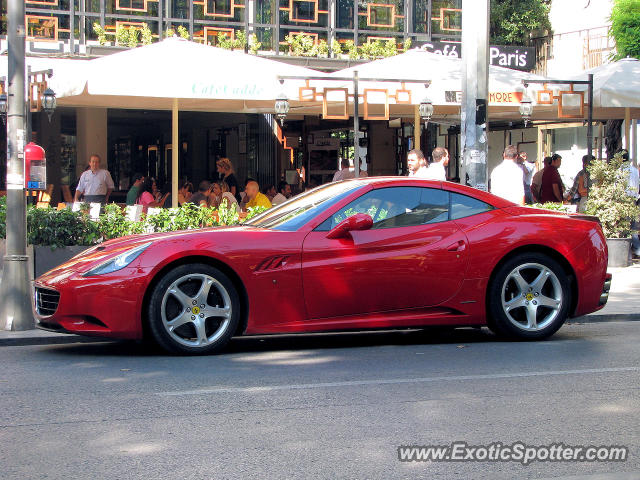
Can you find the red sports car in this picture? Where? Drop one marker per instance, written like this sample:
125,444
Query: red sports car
357,254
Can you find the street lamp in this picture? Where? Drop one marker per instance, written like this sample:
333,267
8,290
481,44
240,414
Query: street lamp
49,102
282,107
426,110
526,109
3,108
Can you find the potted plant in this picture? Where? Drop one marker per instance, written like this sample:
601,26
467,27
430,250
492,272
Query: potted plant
610,201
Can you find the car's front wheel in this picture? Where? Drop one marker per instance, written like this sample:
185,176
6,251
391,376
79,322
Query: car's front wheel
194,309
529,297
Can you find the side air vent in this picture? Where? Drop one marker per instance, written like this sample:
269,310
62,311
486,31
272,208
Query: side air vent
271,263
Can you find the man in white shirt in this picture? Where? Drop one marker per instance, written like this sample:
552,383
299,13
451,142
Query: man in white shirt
439,160
416,164
95,184
284,192
507,178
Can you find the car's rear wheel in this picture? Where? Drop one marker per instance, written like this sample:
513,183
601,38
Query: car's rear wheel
194,309
529,297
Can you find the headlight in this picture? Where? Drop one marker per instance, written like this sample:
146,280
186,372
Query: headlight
117,263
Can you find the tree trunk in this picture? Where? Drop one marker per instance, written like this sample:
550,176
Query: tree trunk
612,137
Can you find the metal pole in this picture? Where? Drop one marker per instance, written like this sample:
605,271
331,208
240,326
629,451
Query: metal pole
15,308
175,140
356,125
475,78
590,118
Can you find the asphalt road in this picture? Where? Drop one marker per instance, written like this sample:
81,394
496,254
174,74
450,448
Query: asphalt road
319,406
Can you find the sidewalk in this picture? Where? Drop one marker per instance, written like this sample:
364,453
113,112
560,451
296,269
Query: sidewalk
624,297
623,305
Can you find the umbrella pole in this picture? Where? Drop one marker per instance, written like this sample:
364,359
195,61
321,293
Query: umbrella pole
627,129
417,125
174,153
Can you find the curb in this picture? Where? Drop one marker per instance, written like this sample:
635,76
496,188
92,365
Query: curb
609,317
20,339
40,337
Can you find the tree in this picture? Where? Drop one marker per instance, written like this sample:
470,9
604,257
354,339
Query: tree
625,28
513,20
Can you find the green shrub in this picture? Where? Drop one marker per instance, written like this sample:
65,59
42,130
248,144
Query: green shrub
59,228
555,206
625,28
608,197
147,36
101,33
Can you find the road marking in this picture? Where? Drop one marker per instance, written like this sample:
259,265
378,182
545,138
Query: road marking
393,381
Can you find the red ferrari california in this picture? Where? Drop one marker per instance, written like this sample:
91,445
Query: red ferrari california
353,255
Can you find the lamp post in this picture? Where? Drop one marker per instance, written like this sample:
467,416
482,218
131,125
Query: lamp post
526,109
49,102
282,107
15,308
426,110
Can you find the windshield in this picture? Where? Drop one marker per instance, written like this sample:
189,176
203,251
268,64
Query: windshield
294,213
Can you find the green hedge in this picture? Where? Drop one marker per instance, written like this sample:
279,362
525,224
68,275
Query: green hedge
59,228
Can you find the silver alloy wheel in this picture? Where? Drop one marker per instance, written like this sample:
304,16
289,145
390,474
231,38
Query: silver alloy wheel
531,297
196,310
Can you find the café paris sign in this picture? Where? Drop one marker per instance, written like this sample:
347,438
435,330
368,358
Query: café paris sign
517,58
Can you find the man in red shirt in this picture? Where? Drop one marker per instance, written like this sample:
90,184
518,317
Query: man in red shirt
552,189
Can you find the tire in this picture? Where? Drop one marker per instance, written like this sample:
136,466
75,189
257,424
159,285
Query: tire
529,297
194,309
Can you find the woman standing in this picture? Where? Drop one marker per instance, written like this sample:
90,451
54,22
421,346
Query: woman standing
225,169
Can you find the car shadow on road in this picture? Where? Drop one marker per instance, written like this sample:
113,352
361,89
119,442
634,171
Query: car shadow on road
311,341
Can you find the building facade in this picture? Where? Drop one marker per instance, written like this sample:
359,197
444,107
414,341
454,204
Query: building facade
69,25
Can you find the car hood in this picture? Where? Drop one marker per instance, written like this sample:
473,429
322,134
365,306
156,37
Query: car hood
98,254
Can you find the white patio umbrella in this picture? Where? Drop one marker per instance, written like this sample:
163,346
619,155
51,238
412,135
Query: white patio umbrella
445,74
616,84
177,74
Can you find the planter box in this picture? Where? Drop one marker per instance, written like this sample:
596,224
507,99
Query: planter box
619,252
29,252
102,50
47,258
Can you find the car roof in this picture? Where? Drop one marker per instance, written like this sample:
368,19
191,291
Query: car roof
381,182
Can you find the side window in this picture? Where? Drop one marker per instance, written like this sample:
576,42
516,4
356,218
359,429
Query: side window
463,206
396,207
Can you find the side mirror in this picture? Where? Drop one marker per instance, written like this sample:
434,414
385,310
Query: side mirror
359,221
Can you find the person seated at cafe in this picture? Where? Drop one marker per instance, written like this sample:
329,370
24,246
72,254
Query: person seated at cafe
168,202
219,192
201,197
185,192
253,197
270,191
134,191
284,192
146,196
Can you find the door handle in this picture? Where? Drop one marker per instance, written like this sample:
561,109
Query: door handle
459,246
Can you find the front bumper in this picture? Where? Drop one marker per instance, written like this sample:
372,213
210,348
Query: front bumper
106,305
